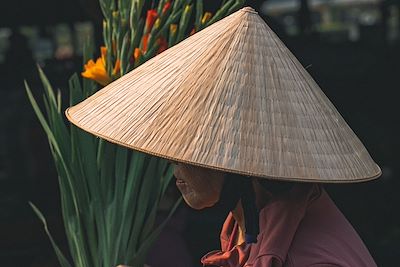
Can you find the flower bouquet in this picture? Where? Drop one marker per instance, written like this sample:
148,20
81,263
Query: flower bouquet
109,194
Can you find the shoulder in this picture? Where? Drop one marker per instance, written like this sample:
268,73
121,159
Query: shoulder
325,238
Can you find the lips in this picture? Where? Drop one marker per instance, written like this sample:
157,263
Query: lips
180,182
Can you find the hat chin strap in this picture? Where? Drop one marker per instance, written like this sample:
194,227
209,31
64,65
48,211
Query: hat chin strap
237,187
251,214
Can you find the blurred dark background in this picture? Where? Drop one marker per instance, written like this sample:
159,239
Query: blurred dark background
350,47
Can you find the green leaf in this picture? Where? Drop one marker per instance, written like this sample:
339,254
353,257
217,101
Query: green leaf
199,14
140,257
141,211
167,177
121,159
110,195
160,6
89,86
174,18
184,22
221,12
61,258
42,119
55,120
58,155
126,51
48,89
131,200
235,7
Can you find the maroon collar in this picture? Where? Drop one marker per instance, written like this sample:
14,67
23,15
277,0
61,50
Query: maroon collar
279,220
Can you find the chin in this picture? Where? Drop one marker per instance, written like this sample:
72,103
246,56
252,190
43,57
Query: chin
196,204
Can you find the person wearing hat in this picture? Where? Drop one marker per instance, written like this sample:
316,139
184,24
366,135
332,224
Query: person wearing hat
250,133
299,225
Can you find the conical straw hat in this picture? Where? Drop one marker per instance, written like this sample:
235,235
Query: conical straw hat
231,97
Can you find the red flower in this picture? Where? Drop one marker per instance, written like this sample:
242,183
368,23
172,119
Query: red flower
166,6
150,19
162,45
145,39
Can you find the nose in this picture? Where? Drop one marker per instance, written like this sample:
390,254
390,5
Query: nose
178,170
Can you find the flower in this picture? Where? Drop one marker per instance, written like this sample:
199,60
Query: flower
187,9
150,19
206,17
161,42
117,67
137,54
157,23
166,7
173,28
103,53
145,40
97,70
162,45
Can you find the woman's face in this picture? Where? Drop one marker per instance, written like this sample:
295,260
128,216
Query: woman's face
200,187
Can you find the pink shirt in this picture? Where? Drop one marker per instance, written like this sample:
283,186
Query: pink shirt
301,228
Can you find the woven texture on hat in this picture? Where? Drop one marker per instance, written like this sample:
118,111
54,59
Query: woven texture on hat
231,97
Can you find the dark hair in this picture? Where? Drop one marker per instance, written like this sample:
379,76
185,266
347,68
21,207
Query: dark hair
275,187
239,187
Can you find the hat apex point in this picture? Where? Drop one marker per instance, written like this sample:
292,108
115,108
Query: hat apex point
248,9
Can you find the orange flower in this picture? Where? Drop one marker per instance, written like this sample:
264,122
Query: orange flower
117,67
103,53
145,39
166,6
150,19
137,54
97,70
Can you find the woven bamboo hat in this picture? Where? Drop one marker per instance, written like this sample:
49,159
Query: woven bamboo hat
231,97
